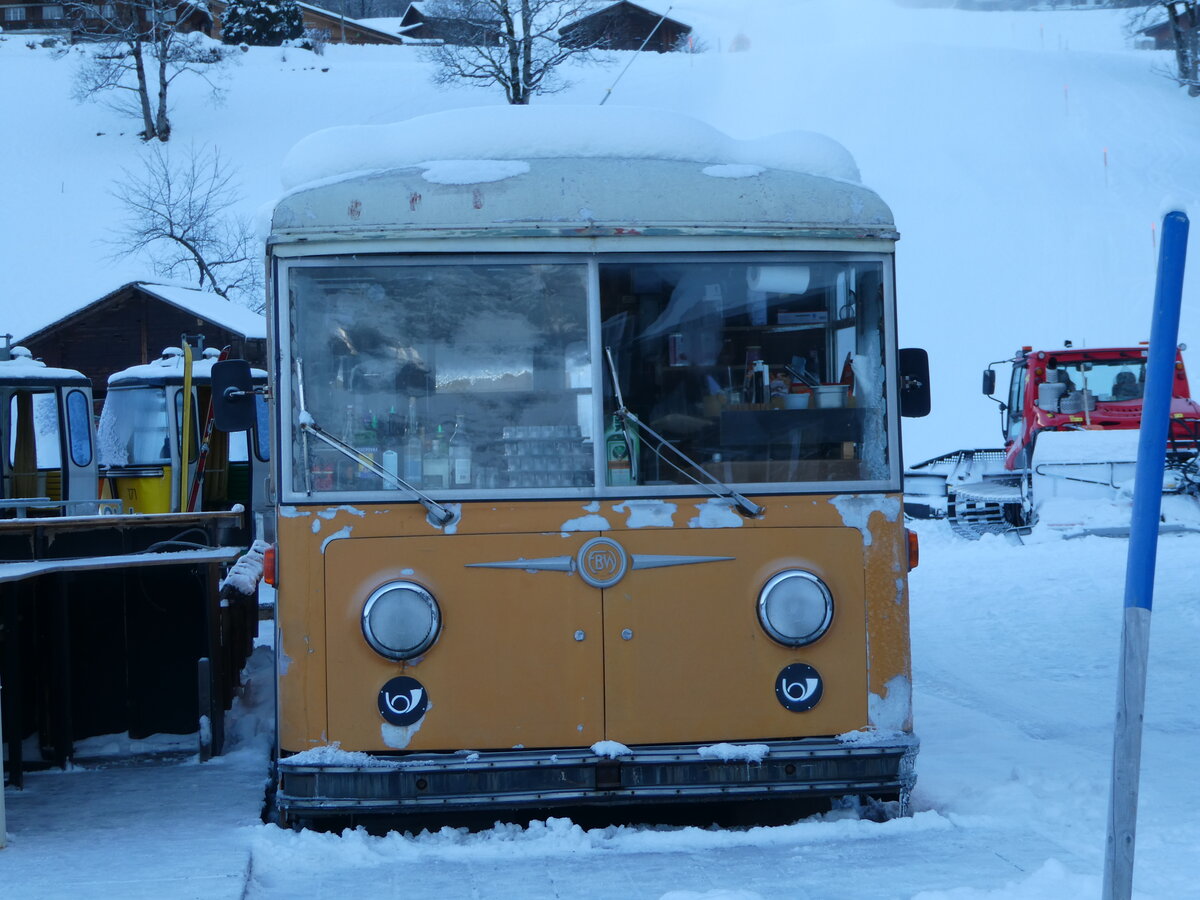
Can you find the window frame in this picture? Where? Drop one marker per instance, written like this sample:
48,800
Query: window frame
294,259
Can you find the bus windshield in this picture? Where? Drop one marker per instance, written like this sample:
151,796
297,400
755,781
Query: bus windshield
470,373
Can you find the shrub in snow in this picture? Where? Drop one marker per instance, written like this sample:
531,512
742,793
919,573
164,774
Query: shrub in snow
261,23
315,40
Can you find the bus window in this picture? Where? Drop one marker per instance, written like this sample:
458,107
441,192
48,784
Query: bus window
760,372
397,357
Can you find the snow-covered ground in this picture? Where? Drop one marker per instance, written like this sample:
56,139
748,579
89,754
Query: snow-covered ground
1014,652
1027,158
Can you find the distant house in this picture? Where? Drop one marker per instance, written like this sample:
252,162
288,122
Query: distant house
1163,35
133,324
70,18
334,27
419,24
625,26
49,18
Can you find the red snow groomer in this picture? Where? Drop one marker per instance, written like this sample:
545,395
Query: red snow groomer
1070,424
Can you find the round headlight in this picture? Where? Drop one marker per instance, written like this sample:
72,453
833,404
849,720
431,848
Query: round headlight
795,608
401,620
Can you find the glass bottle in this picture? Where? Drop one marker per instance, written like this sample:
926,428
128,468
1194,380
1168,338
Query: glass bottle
436,463
413,463
460,454
621,463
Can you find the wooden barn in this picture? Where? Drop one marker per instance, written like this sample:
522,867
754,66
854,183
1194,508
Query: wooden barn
71,19
420,24
133,324
625,26
1163,33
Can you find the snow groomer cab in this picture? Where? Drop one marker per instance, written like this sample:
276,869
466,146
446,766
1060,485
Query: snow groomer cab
158,414
49,462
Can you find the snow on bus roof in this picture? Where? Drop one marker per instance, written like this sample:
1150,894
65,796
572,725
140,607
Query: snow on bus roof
548,132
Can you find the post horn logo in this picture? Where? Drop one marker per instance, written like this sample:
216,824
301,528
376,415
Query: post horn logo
798,687
403,700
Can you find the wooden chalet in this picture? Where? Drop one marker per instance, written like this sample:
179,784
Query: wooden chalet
1163,35
419,25
133,324
334,27
625,26
69,19
74,19
47,18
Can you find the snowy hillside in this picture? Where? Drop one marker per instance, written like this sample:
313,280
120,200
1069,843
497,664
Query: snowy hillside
987,133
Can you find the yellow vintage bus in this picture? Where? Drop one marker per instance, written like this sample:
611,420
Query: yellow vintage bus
588,468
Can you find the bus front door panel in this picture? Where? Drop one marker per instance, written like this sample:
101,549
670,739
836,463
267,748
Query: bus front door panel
518,660
686,659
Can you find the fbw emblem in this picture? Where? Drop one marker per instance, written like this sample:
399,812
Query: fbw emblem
403,700
602,562
799,687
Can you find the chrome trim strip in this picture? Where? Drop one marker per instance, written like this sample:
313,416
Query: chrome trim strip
650,561
567,563
547,564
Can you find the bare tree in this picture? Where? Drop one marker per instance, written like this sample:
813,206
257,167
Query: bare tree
183,215
1183,19
136,52
512,43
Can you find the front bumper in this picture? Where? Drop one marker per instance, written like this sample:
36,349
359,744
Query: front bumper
577,777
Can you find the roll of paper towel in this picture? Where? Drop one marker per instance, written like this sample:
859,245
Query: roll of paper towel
778,279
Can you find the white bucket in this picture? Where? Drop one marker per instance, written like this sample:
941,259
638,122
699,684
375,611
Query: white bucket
796,401
830,396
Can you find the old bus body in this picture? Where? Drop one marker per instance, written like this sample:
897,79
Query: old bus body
501,587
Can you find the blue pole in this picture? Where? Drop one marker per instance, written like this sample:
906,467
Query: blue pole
1143,549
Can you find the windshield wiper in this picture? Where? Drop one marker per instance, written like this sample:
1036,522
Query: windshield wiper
744,505
439,515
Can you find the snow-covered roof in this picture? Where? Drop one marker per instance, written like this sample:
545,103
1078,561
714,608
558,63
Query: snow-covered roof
386,25
168,368
565,168
232,316
212,307
548,132
23,368
625,3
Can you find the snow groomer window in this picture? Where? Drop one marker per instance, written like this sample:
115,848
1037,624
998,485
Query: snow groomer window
133,428
759,371
455,376
79,431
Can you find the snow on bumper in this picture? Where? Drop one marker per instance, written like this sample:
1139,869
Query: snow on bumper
542,778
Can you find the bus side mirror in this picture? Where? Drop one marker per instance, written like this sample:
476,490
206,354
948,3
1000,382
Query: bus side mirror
989,381
233,395
914,383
